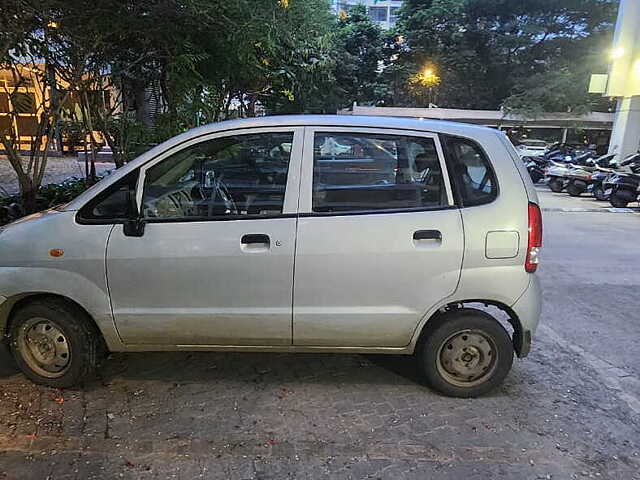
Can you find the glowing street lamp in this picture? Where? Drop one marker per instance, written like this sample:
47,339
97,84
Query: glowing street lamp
426,79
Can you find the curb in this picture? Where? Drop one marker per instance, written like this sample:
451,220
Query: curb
593,210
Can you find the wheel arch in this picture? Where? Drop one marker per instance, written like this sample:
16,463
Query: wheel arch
521,338
13,304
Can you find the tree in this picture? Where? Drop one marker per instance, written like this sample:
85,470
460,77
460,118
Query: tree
488,50
26,57
360,52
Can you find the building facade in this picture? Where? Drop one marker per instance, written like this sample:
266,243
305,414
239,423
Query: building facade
383,12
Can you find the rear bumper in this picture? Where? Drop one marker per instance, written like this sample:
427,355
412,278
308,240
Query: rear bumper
527,309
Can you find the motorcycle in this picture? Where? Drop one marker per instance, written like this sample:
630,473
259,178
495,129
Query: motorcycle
580,178
620,188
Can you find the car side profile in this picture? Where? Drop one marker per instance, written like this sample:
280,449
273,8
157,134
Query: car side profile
332,234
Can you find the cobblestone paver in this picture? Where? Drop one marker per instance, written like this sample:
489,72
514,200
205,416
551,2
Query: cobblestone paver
275,416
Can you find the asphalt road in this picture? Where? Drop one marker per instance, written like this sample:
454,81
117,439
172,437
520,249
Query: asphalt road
570,410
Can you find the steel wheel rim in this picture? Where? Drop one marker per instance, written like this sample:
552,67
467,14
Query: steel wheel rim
44,347
467,358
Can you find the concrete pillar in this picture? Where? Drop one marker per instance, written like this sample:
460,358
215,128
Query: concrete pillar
625,137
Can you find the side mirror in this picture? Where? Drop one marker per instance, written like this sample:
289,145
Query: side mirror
134,225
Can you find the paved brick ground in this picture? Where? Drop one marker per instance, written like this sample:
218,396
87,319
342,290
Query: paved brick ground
274,416
58,170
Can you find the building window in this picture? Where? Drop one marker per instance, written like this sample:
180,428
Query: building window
27,126
4,103
378,14
23,102
393,14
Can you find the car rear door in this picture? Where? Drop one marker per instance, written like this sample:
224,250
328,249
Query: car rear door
379,240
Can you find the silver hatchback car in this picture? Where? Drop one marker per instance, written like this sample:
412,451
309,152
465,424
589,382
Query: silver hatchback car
287,234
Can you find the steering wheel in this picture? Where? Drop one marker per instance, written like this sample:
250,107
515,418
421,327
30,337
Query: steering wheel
221,190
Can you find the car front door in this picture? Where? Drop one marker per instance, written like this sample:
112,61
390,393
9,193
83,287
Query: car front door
379,240
214,265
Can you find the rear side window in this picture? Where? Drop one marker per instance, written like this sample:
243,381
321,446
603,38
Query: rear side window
472,174
362,172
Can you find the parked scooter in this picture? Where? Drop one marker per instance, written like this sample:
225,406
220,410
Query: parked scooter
536,167
580,178
557,173
620,188
596,187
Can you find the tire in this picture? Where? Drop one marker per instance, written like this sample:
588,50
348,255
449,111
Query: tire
535,177
54,343
617,201
598,194
556,186
454,332
573,190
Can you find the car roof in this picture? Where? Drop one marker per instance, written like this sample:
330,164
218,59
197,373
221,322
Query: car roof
397,123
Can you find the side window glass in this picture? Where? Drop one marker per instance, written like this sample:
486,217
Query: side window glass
115,203
360,172
474,176
235,175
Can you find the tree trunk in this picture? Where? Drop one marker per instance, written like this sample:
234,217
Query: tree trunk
143,115
29,196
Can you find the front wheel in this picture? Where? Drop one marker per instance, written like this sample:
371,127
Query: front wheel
556,186
54,343
465,353
573,190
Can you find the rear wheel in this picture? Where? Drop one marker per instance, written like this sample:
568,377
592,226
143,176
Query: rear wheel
555,185
465,353
573,190
54,343
617,201
535,176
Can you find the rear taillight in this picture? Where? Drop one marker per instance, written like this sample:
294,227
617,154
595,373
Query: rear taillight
535,238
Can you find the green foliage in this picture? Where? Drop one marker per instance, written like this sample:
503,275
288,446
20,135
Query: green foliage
360,46
491,52
48,196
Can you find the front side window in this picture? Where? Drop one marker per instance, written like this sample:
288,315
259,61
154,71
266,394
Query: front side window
363,172
114,203
234,175
472,172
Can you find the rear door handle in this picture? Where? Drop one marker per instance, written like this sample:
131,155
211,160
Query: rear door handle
427,235
253,238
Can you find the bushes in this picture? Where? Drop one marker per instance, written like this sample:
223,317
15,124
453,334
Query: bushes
48,196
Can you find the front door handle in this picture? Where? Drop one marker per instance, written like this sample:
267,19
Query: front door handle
427,235
253,238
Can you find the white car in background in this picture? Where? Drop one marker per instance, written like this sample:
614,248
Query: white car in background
531,148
